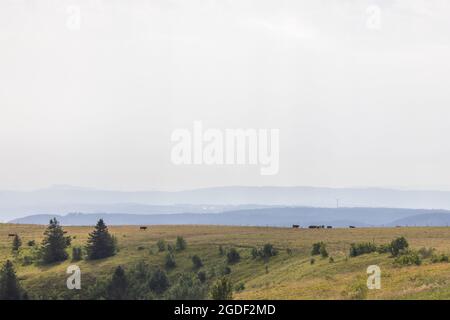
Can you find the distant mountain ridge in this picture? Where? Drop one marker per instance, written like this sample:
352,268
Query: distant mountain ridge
277,216
62,199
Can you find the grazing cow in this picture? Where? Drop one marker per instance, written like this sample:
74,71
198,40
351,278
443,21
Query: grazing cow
64,232
12,235
352,227
312,227
143,228
295,226
329,227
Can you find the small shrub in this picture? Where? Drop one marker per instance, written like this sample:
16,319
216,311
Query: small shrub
31,243
221,251
222,289
77,254
315,251
170,261
426,253
159,282
161,244
186,287
384,248
323,251
239,287
408,258
357,290
266,252
27,260
331,260
226,270
233,256
439,258
17,243
398,245
140,248
170,248
197,262
201,276
312,261
289,251
180,244
357,249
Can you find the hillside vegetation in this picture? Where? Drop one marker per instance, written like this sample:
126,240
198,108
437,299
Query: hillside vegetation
285,270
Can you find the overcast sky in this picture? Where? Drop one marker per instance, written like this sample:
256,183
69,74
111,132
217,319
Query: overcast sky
361,96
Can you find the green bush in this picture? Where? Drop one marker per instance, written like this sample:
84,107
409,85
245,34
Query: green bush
170,261
158,282
222,289
439,258
398,245
312,261
357,249
221,251
27,260
426,253
265,252
315,251
161,244
408,258
31,243
384,248
233,256
226,270
323,251
77,254
201,276
180,244
197,262
17,243
186,287
239,287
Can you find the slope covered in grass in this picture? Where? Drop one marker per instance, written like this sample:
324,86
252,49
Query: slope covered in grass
288,275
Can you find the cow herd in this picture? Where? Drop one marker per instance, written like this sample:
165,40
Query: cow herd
296,226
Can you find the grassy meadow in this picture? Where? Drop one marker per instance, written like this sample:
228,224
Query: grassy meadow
288,275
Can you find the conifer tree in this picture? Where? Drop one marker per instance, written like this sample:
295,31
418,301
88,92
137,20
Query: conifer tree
117,289
54,244
9,284
100,243
17,243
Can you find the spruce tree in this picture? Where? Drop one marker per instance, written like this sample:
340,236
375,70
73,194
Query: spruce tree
17,243
117,288
54,244
100,243
9,284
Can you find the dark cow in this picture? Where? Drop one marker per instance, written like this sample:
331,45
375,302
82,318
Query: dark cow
352,227
11,235
329,227
295,226
143,228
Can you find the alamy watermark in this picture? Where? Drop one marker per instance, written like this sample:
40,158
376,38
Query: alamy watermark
374,279
74,281
227,147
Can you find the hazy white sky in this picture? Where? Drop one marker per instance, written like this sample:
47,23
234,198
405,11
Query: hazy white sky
360,99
